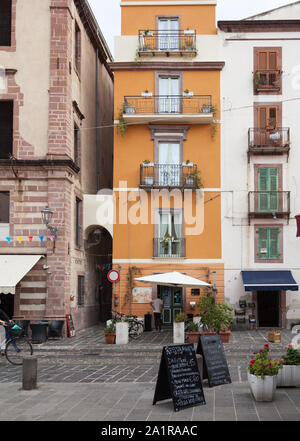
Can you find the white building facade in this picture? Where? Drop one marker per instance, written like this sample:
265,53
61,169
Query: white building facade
260,166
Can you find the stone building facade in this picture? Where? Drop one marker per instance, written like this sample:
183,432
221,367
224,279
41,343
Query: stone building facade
56,117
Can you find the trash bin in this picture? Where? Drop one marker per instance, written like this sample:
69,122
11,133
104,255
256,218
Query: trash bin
147,322
24,325
55,328
39,332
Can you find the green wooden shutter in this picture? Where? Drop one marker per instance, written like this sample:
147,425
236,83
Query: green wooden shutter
273,183
273,243
263,243
268,181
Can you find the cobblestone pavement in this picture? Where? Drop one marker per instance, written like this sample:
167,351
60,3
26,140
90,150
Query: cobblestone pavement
83,379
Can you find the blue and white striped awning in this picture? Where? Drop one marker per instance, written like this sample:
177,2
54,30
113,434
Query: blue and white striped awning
269,281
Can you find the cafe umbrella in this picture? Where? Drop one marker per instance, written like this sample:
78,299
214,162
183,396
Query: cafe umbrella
173,279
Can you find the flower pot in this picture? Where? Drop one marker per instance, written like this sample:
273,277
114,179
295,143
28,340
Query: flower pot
178,333
148,180
122,334
262,390
129,110
146,94
193,337
189,181
289,376
110,339
209,333
225,336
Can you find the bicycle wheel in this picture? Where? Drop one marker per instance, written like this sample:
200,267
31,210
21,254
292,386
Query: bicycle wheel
136,330
16,349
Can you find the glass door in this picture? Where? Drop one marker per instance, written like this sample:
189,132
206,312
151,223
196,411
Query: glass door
169,100
172,300
169,165
168,34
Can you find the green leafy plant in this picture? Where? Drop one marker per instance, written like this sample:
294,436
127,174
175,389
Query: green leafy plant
193,327
262,365
256,79
206,309
111,329
132,272
195,175
146,161
223,317
167,238
214,124
122,126
292,356
180,317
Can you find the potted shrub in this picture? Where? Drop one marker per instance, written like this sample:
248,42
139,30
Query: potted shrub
206,308
178,328
146,93
289,375
206,108
110,333
262,375
193,332
222,320
188,93
193,179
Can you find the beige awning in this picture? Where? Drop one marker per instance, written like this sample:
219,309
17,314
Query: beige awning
13,268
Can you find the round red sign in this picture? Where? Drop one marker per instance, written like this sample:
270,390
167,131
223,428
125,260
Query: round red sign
113,276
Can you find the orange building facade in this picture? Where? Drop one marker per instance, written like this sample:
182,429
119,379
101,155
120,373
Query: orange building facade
167,153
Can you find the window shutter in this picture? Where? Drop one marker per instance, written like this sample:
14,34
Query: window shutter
262,60
263,243
273,60
274,243
262,115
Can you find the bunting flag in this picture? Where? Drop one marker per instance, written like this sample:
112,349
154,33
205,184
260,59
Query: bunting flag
30,238
8,239
298,225
51,238
20,238
41,239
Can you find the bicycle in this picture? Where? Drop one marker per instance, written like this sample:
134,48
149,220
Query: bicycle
135,326
16,346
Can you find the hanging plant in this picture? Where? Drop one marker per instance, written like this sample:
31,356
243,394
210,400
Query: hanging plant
214,126
122,126
132,272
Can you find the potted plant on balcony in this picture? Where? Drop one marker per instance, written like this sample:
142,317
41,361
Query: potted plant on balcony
193,332
127,108
193,179
147,33
262,375
206,108
187,93
289,375
146,93
110,333
178,328
166,240
271,124
189,31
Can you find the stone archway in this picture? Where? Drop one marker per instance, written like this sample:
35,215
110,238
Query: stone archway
98,249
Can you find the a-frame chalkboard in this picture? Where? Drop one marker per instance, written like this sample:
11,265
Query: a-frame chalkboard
215,367
179,377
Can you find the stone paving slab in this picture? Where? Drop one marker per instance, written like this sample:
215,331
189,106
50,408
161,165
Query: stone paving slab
127,402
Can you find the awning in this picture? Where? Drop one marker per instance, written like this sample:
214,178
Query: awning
173,279
13,268
269,281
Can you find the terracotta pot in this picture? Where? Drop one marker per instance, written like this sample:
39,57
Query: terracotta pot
209,333
110,338
193,337
225,336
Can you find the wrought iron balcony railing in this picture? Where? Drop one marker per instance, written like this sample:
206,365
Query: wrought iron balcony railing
168,175
168,104
269,203
277,138
167,41
168,247
267,80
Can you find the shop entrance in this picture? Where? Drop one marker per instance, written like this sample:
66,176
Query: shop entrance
268,308
172,299
7,304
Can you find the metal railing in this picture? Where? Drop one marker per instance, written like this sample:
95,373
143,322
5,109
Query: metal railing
167,41
271,203
168,175
277,138
267,79
168,104
168,248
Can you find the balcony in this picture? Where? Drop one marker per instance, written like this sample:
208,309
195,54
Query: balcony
267,81
264,141
169,247
169,176
167,43
195,109
268,204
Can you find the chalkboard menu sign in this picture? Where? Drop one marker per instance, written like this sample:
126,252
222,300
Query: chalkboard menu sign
179,378
215,367
70,325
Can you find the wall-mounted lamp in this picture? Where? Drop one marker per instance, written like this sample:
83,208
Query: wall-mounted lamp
274,215
46,218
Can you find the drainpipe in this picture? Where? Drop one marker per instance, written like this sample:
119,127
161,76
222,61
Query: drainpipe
97,117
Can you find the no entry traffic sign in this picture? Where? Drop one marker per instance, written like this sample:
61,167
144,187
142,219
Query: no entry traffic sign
113,276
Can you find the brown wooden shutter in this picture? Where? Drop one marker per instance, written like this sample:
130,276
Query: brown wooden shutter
273,60
262,60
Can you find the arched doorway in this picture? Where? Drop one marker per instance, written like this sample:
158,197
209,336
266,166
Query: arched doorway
98,247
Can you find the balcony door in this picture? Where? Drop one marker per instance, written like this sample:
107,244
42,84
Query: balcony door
169,164
169,91
170,226
168,34
267,118
267,63
268,185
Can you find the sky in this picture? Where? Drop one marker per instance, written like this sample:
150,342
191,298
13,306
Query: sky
108,13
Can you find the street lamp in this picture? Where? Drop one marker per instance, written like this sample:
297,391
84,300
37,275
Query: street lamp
46,218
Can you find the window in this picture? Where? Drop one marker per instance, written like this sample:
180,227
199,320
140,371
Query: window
195,291
80,290
5,22
76,145
268,243
77,48
267,67
6,129
169,94
170,241
4,207
78,222
268,196
168,34
169,164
